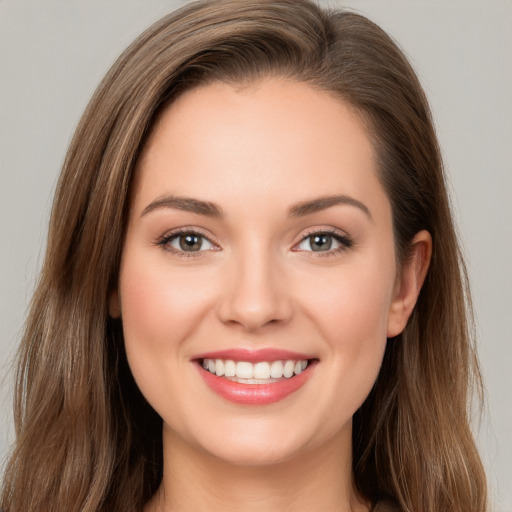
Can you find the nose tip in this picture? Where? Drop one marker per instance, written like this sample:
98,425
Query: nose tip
257,297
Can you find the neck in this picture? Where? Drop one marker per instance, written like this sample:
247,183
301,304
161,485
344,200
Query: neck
316,480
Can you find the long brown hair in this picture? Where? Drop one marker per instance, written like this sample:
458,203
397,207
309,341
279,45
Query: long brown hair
86,438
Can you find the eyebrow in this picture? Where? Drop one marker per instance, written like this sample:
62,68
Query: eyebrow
322,203
187,204
209,209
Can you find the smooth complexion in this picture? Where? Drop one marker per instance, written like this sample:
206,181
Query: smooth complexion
255,165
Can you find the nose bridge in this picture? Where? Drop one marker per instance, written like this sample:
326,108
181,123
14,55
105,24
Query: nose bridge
257,293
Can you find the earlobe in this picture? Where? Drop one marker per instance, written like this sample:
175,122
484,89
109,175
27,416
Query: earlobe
409,282
114,306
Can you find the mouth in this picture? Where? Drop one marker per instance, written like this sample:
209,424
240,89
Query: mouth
262,372
255,378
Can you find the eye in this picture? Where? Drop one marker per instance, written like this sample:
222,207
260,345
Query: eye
186,242
324,242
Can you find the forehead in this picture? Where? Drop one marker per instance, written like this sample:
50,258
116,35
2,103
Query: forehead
275,138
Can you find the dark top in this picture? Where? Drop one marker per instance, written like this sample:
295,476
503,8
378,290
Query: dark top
384,506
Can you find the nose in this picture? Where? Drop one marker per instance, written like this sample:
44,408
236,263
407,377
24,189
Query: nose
256,293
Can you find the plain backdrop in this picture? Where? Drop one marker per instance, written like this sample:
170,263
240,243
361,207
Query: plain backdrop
53,54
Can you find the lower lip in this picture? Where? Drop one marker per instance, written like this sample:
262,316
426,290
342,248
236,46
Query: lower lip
254,394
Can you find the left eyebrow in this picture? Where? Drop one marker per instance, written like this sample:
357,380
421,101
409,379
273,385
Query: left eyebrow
322,203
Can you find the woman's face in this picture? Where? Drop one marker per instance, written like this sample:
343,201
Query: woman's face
259,242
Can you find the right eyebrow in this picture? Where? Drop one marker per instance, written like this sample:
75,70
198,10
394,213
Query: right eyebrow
187,204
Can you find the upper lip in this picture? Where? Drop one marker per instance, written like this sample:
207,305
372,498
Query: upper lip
254,356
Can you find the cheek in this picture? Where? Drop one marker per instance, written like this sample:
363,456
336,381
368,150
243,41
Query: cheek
358,345
354,306
159,307
160,310
352,317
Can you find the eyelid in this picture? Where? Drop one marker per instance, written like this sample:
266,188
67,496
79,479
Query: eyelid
345,241
164,240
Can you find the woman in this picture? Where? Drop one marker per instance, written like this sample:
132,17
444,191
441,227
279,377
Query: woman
252,294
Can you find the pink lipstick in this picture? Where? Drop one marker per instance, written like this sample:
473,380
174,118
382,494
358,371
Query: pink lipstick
250,377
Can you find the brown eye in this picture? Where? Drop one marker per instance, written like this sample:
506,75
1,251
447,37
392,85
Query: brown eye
324,242
188,242
320,242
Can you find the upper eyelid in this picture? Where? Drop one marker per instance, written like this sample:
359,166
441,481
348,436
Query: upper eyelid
179,231
327,231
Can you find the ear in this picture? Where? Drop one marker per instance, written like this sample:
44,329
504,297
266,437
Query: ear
409,282
114,304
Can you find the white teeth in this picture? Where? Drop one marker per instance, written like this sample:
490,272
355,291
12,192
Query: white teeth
261,371
276,369
249,373
253,381
229,368
219,367
244,370
288,369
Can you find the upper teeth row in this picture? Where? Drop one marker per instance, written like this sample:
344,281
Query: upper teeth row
260,370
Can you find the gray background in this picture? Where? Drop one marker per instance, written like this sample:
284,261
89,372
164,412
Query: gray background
53,54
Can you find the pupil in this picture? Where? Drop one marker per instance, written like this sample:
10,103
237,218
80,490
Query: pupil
321,242
190,242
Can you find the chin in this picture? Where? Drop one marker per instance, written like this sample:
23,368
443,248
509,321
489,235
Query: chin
259,442
254,455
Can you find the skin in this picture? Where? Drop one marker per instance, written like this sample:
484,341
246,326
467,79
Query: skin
256,283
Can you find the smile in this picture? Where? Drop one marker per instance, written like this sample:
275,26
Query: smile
255,377
262,372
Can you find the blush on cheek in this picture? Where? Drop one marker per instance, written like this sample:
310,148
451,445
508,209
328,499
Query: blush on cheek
356,310
353,316
160,307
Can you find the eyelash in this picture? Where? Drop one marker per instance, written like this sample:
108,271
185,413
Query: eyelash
168,237
345,242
